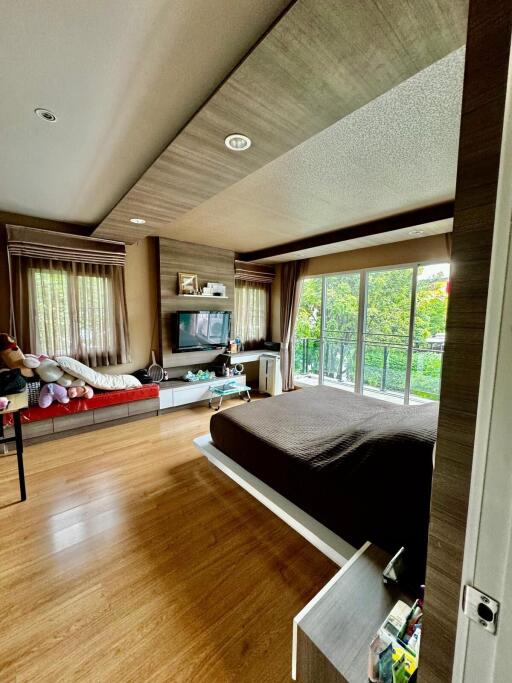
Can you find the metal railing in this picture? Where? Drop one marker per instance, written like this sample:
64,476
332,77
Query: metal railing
384,360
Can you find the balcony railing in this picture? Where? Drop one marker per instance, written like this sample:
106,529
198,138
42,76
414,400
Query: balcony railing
384,365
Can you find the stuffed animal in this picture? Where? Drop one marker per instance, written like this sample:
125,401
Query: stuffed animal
78,383
4,402
52,392
49,370
12,356
31,361
66,380
80,392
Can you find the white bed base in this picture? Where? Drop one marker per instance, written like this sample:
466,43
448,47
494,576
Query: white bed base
331,545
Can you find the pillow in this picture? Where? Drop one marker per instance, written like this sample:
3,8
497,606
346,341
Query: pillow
95,379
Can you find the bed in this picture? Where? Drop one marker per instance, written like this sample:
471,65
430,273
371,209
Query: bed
359,466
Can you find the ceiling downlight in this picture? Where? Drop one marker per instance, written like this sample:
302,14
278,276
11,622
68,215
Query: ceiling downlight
137,221
237,142
45,115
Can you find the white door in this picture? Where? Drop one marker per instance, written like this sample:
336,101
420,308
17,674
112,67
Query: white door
481,657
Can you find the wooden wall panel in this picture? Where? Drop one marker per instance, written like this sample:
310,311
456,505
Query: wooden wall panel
211,265
487,58
320,62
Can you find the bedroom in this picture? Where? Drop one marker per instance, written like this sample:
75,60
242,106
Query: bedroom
188,484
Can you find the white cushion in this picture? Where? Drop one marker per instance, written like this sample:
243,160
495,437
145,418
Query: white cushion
95,379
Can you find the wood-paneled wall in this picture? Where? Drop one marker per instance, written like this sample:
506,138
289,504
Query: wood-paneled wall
313,68
485,83
211,265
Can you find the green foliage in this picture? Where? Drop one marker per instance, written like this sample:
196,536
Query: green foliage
386,329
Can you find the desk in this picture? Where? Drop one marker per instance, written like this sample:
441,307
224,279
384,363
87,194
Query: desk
334,631
18,402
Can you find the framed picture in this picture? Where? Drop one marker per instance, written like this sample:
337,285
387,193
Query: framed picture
187,283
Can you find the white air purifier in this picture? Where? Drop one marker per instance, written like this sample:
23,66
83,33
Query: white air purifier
270,374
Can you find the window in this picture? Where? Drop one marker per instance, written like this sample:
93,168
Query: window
75,311
252,312
376,332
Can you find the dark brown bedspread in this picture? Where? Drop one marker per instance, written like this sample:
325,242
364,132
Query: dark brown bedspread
361,466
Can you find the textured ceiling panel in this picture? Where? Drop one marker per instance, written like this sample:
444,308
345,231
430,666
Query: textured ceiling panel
321,62
123,76
402,235
399,152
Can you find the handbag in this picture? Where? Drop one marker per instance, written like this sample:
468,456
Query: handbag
12,382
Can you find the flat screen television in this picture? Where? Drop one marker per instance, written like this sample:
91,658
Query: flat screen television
201,330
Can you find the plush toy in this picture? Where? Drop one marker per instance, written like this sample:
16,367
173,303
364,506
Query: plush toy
77,383
66,380
80,392
4,402
49,370
51,392
12,356
31,361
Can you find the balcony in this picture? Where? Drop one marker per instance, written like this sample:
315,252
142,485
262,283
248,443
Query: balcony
384,367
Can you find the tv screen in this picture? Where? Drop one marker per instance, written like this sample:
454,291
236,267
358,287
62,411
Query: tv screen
202,330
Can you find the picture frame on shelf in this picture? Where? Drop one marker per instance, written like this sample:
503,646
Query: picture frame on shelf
187,283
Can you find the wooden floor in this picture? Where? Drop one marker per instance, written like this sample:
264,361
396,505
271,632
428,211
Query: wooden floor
135,560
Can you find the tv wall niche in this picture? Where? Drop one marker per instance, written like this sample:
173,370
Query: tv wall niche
211,265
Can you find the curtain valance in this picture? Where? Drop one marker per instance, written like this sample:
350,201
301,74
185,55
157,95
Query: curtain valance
44,244
254,272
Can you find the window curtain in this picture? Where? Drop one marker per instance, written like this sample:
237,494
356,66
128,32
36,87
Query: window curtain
70,299
292,274
252,312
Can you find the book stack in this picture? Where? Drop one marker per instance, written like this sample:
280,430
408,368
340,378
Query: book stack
394,652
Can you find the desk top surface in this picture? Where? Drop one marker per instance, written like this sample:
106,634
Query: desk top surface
17,402
345,620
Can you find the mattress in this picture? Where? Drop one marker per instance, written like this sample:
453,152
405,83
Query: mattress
361,466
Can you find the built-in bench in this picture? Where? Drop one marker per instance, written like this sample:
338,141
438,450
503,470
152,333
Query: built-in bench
84,413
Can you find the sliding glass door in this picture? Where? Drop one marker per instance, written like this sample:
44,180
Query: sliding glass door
387,324
340,329
429,331
375,332
308,332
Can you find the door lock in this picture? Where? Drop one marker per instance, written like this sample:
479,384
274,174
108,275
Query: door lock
480,608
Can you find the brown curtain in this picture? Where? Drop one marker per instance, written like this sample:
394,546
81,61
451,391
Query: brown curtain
74,305
252,313
291,283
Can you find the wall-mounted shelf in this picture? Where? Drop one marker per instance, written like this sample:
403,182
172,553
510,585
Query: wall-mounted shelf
203,296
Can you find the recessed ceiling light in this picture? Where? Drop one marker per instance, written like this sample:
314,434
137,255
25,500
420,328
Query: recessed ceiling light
416,233
45,114
137,221
237,142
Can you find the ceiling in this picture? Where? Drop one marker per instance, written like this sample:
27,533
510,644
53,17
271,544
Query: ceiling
353,110
397,153
320,63
122,76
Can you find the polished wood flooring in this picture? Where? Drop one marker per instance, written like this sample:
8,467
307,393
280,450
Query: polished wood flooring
133,559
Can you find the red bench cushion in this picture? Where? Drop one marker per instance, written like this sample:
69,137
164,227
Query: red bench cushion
79,405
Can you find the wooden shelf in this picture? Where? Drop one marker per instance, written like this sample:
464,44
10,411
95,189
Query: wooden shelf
334,631
203,296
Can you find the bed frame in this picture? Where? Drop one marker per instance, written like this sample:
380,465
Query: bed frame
330,544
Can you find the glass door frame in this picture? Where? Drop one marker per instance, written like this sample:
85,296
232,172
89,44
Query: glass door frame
361,321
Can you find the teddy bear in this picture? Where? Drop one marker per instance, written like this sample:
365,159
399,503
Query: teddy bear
80,392
51,392
12,356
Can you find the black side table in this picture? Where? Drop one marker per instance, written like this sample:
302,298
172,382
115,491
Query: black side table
17,404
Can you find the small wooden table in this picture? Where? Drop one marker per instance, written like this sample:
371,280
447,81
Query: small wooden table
18,402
